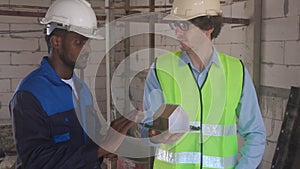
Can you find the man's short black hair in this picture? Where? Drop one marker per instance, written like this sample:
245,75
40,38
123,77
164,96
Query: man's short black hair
208,22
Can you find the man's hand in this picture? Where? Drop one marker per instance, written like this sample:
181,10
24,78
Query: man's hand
117,132
165,138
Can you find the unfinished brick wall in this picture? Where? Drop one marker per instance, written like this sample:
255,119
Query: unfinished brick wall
22,47
280,65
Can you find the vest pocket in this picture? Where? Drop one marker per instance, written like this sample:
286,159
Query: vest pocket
60,127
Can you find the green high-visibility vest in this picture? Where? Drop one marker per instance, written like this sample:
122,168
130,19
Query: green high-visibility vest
211,108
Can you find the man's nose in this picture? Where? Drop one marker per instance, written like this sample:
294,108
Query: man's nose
178,31
87,47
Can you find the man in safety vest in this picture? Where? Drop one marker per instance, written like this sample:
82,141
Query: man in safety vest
214,89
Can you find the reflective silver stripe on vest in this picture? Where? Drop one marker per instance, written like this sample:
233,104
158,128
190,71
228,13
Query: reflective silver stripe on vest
215,130
195,158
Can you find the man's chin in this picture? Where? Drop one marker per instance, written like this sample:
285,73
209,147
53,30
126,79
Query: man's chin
80,65
81,62
183,46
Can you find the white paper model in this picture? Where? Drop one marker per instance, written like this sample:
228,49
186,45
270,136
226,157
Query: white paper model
171,118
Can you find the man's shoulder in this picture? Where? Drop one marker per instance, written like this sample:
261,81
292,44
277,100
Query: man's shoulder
34,81
226,56
169,57
171,54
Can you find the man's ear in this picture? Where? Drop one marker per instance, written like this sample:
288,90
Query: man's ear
208,32
55,41
211,30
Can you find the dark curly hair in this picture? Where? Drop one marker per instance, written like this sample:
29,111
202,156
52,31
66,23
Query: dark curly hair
208,22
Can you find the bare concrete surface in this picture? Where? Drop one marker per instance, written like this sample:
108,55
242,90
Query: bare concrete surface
7,147
8,162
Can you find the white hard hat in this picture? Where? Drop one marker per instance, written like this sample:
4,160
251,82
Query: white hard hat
73,15
189,9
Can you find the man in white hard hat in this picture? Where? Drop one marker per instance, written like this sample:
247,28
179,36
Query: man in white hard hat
52,108
215,90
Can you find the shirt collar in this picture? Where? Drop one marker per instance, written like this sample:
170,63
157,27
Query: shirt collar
185,59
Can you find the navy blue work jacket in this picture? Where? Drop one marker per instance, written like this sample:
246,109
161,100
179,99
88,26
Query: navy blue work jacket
49,124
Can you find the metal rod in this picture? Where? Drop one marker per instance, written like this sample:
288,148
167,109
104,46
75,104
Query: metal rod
127,63
152,30
22,13
101,7
242,21
228,20
136,7
95,7
23,6
25,31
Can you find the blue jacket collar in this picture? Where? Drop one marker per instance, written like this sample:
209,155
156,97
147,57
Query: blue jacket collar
50,73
